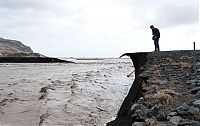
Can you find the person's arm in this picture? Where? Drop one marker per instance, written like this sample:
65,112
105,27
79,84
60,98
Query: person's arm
153,32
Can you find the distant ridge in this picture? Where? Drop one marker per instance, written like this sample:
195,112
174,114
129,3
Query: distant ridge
13,51
8,47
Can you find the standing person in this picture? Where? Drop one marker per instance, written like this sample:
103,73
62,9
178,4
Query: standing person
156,36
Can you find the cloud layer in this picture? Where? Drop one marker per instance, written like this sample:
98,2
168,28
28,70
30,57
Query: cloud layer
96,28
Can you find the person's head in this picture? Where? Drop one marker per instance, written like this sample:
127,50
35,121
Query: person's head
152,27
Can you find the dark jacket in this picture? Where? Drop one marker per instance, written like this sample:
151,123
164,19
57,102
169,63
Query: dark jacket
156,32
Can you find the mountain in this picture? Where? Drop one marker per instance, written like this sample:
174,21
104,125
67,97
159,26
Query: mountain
12,51
15,48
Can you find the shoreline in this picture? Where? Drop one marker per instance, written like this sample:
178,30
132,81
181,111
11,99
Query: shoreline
32,60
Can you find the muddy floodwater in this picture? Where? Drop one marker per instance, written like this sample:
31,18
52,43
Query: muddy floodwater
87,93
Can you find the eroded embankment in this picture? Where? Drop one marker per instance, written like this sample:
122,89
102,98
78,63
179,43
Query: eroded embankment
123,117
165,92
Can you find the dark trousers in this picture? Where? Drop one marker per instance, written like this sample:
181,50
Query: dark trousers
157,48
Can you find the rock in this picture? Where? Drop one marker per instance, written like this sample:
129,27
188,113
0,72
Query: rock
172,114
193,110
43,90
183,112
157,106
193,85
138,124
187,75
150,122
196,103
161,116
191,81
140,114
183,107
190,123
175,120
190,103
134,106
198,94
161,124
153,111
156,81
195,90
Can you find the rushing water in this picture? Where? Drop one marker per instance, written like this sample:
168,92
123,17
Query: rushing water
89,92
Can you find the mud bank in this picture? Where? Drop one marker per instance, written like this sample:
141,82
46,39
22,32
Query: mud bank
32,60
166,90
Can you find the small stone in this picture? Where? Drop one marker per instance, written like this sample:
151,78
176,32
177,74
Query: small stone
160,124
175,120
140,114
195,123
190,103
153,111
150,122
43,90
198,94
187,75
90,115
138,124
183,112
134,106
196,103
195,90
156,81
190,123
191,81
161,116
193,85
158,106
193,110
183,107
172,113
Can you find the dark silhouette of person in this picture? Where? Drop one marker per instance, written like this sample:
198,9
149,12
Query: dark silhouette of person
156,36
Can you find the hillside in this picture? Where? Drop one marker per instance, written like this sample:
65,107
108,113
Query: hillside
12,51
12,47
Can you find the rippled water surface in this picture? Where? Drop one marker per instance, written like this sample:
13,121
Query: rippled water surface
89,92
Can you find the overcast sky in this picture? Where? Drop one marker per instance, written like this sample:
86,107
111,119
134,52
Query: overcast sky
99,28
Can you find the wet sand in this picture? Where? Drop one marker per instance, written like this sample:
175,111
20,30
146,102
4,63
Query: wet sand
87,93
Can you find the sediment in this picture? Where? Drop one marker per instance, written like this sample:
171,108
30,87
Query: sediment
166,90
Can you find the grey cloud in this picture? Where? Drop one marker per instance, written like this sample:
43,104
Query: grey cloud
30,13
142,2
51,21
177,14
20,4
38,6
165,13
